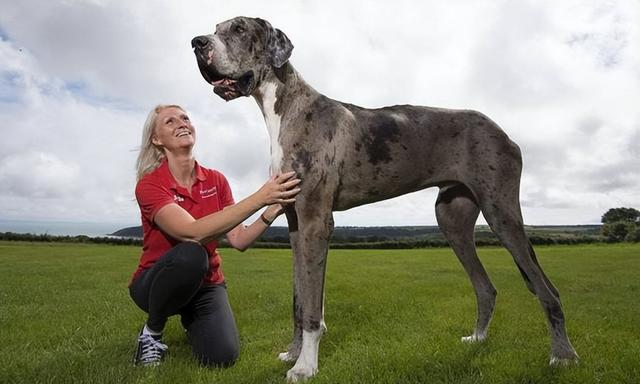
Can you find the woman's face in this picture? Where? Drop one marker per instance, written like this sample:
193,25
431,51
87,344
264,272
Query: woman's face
173,130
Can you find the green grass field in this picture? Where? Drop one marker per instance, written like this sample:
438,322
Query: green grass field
393,316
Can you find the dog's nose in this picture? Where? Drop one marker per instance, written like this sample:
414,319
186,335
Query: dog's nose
199,42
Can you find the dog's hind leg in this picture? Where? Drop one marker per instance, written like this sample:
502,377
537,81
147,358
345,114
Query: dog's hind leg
505,219
457,212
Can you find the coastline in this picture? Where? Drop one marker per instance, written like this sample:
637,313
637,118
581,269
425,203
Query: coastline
61,228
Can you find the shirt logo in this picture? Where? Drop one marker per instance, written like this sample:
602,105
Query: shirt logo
204,193
178,198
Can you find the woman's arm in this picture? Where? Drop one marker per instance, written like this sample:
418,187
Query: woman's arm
179,224
241,237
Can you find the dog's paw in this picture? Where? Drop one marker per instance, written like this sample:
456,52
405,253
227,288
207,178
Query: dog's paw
474,338
565,357
292,353
558,362
297,374
287,356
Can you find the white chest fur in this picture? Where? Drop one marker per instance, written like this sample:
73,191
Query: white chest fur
272,119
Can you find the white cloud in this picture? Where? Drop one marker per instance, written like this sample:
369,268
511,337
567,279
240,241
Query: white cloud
38,175
78,78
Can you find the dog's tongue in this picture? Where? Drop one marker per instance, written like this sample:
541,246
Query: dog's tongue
223,82
225,88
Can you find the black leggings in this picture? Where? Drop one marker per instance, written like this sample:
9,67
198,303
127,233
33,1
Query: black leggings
173,285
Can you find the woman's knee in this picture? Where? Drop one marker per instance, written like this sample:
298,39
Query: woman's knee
191,256
214,345
220,355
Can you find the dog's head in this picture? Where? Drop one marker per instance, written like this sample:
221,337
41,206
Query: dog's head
237,55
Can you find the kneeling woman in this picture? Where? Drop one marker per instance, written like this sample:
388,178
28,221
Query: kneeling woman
185,208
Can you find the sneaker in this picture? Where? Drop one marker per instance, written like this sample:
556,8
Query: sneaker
150,351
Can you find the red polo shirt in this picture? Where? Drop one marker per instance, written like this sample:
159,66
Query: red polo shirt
210,193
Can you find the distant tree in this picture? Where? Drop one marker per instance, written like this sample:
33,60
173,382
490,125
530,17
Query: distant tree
633,236
620,224
621,214
618,230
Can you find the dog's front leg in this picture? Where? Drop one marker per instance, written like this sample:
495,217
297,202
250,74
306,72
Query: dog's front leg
310,258
292,353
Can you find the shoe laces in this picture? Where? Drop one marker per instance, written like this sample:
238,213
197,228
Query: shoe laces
152,350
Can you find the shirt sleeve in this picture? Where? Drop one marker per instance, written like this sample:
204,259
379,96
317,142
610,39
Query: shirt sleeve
152,196
226,197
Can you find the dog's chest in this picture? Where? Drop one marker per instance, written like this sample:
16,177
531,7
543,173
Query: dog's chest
273,121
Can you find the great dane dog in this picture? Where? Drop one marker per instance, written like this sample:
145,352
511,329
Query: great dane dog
348,156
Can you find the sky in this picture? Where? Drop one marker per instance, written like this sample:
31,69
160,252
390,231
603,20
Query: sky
78,77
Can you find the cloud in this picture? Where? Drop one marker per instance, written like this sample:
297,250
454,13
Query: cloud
606,37
77,79
39,175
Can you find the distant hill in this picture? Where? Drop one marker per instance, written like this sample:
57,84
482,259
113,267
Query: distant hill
356,237
135,232
428,235
276,233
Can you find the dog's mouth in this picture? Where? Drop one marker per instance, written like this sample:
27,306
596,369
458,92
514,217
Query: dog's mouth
228,87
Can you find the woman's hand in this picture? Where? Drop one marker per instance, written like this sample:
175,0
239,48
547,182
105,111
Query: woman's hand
279,189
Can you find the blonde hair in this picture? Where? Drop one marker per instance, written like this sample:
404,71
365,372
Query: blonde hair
150,155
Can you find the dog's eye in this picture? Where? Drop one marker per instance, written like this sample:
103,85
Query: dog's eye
239,29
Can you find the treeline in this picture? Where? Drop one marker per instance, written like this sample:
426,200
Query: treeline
618,224
47,238
369,242
436,243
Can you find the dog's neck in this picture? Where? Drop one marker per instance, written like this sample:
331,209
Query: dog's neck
275,87
286,84
266,98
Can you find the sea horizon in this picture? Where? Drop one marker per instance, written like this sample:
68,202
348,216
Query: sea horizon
63,228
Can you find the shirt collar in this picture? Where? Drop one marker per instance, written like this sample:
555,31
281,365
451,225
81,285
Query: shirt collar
165,173
200,175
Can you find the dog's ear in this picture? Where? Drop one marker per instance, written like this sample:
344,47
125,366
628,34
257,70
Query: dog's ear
279,46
